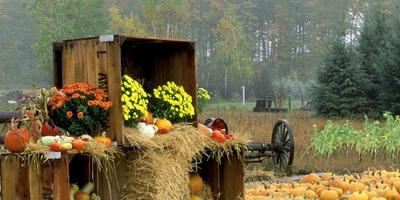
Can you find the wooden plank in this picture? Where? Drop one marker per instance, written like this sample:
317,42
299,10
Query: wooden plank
101,65
61,178
232,180
91,59
80,69
47,181
192,80
11,173
68,62
35,182
114,89
213,177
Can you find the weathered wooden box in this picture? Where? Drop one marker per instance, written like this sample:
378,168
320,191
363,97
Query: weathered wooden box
101,61
21,180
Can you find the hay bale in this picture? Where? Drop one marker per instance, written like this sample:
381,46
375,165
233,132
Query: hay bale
160,167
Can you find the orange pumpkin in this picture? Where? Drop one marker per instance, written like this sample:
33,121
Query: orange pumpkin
391,194
164,126
358,196
310,194
102,139
16,139
79,144
329,195
195,184
82,196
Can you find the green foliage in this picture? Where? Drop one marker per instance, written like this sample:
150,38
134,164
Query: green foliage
58,20
232,54
371,43
374,139
332,139
128,25
390,63
340,83
16,58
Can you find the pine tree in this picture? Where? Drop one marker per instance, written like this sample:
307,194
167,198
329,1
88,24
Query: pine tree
371,41
390,62
339,90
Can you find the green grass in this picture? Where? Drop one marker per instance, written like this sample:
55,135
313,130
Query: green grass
7,107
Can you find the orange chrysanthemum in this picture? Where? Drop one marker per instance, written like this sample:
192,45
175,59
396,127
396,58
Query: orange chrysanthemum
80,115
90,103
69,114
75,96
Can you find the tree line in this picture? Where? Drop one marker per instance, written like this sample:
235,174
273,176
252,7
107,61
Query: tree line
363,77
264,45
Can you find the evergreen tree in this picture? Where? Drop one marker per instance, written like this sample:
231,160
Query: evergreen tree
371,41
390,62
340,83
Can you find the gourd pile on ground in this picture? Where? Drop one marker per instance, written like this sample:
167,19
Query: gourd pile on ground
369,185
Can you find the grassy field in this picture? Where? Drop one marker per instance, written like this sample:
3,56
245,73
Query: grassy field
260,126
7,107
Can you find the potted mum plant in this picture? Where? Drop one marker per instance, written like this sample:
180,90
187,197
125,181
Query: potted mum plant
79,109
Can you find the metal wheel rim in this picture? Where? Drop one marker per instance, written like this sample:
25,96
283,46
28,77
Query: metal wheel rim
283,133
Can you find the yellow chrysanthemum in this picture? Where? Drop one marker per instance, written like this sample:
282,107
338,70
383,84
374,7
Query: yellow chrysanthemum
171,101
134,102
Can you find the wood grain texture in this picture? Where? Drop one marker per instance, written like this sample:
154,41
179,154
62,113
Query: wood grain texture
91,60
213,178
61,178
35,182
68,62
232,180
114,90
13,185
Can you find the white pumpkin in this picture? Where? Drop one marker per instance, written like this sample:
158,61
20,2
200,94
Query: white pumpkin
146,130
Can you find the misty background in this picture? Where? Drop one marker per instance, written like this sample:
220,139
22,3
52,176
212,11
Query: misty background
268,46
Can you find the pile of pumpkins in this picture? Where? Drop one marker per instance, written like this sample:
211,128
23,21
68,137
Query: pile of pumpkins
369,185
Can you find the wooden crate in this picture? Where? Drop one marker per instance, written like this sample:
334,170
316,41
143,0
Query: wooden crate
226,178
100,61
52,179
20,181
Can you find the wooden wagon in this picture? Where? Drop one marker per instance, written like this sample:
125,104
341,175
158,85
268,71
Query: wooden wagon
100,61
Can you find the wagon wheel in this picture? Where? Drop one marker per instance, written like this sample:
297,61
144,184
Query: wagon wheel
282,144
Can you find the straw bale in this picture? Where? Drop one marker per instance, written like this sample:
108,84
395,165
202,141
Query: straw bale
161,165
